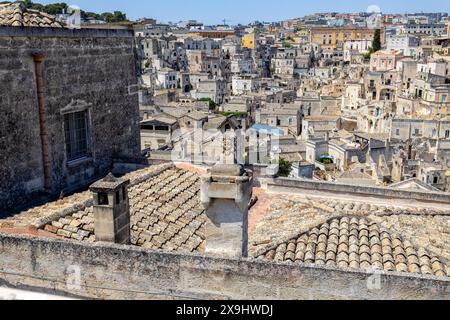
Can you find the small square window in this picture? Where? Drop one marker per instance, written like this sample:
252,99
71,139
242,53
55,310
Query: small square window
103,199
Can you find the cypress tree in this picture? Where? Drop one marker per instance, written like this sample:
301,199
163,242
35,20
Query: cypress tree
376,43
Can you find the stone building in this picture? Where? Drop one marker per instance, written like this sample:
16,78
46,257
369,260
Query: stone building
69,108
353,50
157,131
407,44
318,126
333,37
405,128
353,96
214,89
187,225
283,116
385,60
244,83
435,29
167,79
380,86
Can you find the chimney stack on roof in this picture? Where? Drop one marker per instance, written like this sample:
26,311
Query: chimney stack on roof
225,194
111,210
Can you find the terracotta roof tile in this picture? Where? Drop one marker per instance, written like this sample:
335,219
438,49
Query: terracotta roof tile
16,14
165,214
370,247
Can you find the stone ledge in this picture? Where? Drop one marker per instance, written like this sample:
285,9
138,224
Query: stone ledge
40,223
7,31
283,183
206,276
204,260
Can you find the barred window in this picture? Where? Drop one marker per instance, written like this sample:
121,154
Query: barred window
76,134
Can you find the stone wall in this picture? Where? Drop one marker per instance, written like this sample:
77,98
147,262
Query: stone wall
114,271
94,66
297,185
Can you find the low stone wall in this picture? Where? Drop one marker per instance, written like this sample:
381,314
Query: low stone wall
284,184
62,32
108,271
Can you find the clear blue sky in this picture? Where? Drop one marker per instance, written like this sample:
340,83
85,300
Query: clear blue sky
244,11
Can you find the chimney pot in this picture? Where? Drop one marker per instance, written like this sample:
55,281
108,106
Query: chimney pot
111,210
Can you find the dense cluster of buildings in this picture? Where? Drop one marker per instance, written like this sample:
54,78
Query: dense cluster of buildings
318,80
185,130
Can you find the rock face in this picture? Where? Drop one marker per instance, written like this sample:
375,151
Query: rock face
90,70
16,15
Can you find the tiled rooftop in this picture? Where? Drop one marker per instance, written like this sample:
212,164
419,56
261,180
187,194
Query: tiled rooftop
356,235
164,205
340,231
16,15
359,244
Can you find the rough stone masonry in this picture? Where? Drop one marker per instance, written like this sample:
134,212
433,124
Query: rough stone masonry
82,70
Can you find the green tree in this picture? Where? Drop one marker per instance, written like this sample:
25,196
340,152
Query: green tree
55,8
376,43
27,3
107,16
367,55
212,104
284,168
85,15
52,8
59,7
117,16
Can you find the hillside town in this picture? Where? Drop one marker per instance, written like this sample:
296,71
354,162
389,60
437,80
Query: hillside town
294,159
349,103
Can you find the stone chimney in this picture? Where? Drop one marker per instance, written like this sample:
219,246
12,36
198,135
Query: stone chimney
225,194
111,210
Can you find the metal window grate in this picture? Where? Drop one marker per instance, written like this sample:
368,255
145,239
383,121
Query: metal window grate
75,125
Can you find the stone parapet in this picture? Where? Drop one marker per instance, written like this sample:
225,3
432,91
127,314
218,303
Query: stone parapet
111,271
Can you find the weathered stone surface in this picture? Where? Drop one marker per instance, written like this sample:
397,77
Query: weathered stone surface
331,243
390,238
95,66
136,273
227,170
164,205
